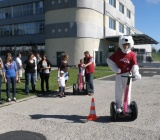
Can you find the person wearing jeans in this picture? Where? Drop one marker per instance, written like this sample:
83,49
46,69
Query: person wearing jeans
89,69
44,66
30,73
10,76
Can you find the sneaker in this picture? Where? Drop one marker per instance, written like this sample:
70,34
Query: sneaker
60,95
119,110
90,94
14,99
9,99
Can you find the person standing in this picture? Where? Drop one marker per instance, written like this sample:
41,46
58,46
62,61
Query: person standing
89,70
30,73
61,85
10,76
35,59
19,66
44,66
64,67
1,73
38,60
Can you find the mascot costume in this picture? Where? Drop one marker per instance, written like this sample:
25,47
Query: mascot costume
123,62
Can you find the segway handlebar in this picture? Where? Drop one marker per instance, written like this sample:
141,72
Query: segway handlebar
129,76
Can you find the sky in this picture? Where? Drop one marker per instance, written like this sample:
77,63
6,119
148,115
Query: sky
147,18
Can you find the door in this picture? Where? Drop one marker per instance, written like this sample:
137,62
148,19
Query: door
59,58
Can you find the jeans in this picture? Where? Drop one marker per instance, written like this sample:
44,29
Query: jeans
89,84
61,89
0,86
30,77
13,81
44,78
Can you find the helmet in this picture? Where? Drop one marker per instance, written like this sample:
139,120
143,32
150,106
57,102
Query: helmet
126,40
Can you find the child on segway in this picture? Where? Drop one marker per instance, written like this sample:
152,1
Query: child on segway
81,74
124,63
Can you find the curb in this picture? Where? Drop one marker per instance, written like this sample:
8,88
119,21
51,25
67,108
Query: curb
34,96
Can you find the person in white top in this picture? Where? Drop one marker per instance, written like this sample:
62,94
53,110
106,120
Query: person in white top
61,84
44,66
19,66
38,60
35,60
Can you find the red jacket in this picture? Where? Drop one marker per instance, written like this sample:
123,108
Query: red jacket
90,68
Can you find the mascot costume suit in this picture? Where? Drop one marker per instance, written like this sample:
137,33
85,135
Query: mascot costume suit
123,62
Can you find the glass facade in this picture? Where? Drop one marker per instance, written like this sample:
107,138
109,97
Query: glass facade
39,7
22,29
22,10
5,13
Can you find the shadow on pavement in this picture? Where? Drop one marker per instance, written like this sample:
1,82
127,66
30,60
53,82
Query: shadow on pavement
74,118
22,135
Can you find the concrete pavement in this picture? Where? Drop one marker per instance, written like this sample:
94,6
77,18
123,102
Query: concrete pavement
65,118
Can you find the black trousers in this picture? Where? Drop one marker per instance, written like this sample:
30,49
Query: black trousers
44,78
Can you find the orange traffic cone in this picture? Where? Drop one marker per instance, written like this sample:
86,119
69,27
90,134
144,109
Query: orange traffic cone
92,116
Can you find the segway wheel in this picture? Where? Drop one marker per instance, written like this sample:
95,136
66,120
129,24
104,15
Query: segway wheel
74,89
113,112
134,109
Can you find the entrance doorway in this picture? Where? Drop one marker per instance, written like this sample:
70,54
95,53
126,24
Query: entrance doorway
59,58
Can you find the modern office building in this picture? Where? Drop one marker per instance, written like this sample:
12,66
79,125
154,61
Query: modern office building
70,26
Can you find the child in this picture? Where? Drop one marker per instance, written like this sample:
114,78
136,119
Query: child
61,84
123,62
81,70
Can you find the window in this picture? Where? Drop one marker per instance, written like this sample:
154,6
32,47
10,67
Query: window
39,7
5,13
112,23
113,3
128,13
112,48
128,31
6,30
23,10
22,29
121,28
121,8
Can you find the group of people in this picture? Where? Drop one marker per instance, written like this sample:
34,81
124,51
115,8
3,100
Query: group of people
34,67
122,62
12,70
85,67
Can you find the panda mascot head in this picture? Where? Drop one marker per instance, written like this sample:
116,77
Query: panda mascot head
126,40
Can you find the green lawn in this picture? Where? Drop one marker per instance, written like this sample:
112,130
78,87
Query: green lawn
100,71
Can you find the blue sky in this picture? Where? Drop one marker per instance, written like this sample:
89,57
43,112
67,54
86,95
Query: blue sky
147,18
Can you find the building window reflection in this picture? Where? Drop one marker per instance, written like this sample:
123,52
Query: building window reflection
22,29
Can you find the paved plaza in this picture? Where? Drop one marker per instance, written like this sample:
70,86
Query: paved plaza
56,118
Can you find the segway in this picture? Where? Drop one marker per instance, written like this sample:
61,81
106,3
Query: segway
133,106
80,88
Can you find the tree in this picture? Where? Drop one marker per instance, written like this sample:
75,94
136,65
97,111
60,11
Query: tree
153,50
